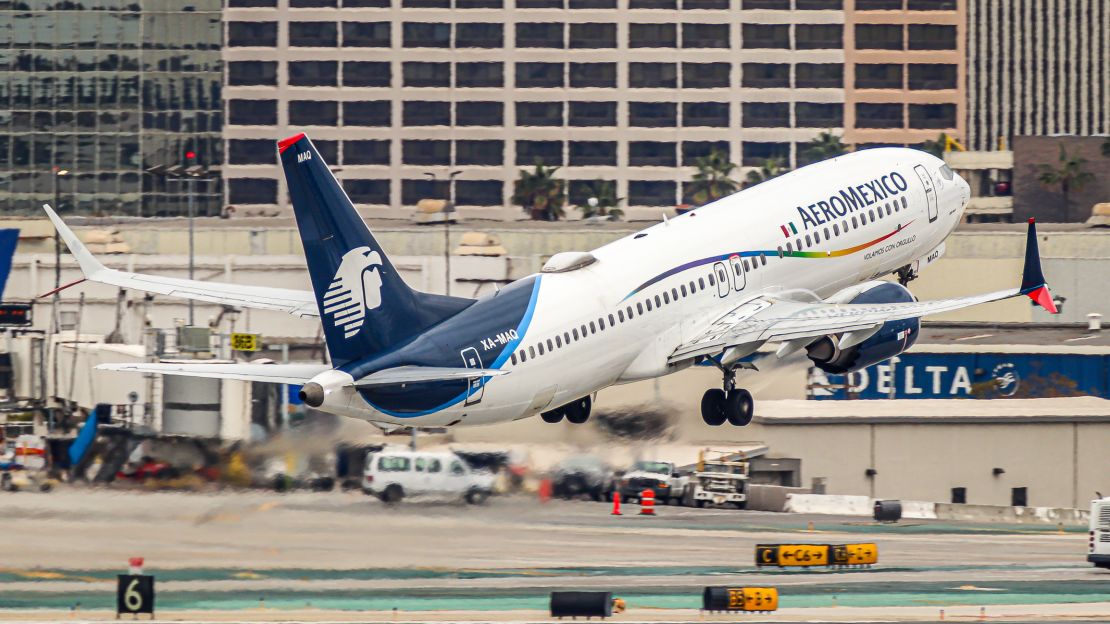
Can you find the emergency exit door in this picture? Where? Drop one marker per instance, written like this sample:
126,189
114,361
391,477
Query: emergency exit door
474,387
930,191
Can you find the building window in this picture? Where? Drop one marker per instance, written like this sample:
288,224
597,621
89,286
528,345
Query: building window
693,150
818,36
879,115
757,36
651,154
312,4
932,76
539,35
244,73
366,35
652,75
368,152
252,112
368,191
593,75
878,36
705,5
421,74
366,4
480,114
580,191
653,114
543,152
252,191
539,75
593,153
313,34
773,5
586,114
412,191
479,4
251,4
313,73
818,76
593,35
479,75
705,114
705,36
425,114
329,150
932,37
705,75
539,114
765,75
250,152
755,154
426,4
651,192
539,4
370,114
931,5
479,193
814,115
1019,497
939,116
426,34
959,494
313,113
425,152
819,5
879,76
766,115
592,4
652,36
879,5
484,153
479,35
367,74
252,34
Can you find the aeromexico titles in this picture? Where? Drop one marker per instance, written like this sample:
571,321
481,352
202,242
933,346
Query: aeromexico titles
794,261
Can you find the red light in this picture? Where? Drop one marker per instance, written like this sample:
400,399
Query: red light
190,155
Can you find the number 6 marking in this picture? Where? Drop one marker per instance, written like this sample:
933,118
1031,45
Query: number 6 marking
132,599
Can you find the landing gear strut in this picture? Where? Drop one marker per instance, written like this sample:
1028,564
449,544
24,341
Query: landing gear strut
731,404
905,275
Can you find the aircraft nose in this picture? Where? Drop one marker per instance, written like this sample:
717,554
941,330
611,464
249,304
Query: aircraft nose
964,189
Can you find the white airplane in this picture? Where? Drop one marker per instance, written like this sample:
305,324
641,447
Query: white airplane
794,261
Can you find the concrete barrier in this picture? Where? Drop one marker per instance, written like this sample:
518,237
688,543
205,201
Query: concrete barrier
843,505
828,504
770,497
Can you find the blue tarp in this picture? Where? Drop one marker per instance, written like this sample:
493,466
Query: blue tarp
83,440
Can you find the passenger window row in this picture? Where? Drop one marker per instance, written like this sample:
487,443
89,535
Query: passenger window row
837,229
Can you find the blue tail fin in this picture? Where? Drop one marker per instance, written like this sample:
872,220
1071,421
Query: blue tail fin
365,306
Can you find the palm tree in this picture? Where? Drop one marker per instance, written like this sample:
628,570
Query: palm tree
772,167
713,179
540,193
826,145
608,204
1068,175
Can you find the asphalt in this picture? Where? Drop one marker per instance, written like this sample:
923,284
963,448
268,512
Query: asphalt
345,556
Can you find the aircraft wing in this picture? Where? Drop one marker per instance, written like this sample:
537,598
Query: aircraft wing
768,318
271,373
297,302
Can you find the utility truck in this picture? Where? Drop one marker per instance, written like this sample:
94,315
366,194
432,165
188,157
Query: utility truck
720,477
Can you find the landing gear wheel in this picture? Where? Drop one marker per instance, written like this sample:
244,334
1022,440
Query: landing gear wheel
578,412
554,416
713,407
740,407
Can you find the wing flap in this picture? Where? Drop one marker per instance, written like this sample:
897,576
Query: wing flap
418,374
270,373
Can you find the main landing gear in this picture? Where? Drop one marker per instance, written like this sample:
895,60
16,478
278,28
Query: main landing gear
576,412
732,404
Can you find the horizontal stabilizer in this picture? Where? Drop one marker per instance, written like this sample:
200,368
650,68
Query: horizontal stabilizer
270,373
418,374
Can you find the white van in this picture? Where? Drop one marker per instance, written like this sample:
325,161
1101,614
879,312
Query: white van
1098,548
391,475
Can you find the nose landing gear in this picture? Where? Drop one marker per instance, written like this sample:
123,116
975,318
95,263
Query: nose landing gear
731,404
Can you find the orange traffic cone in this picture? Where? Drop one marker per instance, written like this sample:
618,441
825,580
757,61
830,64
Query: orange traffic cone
647,503
545,490
616,504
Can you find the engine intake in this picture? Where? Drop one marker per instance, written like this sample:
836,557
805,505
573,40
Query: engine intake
893,337
312,394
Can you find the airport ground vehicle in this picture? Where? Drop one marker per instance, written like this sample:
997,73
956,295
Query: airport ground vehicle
1098,548
582,475
720,477
393,474
662,478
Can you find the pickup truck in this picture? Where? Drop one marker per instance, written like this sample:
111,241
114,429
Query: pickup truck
662,478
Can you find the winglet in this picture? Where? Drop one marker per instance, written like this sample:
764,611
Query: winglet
90,266
1032,279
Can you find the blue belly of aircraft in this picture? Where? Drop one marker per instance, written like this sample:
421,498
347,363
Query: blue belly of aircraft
483,335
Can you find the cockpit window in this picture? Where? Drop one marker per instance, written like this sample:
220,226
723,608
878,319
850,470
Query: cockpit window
946,172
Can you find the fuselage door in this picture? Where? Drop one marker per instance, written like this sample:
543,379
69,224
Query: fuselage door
930,191
474,388
739,276
724,286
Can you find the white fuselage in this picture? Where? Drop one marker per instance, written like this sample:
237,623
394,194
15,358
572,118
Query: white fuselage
847,245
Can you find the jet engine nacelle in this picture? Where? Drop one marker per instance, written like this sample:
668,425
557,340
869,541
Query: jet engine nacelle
893,337
333,388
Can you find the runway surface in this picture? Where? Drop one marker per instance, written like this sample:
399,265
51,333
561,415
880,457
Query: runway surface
345,556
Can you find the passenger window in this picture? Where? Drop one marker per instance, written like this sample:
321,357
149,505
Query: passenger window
888,210
863,218
593,330
639,308
817,237
393,464
701,282
721,275
809,241
684,291
827,235
904,202
611,321
674,294
799,241
836,229
550,347
513,358
780,251
576,334
657,303
789,247
541,348
566,337
558,341
531,351
648,302
601,324
620,315
523,357
457,469
745,267
629,311
854,222
434,465
871,214
583,331
763,260
421,464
